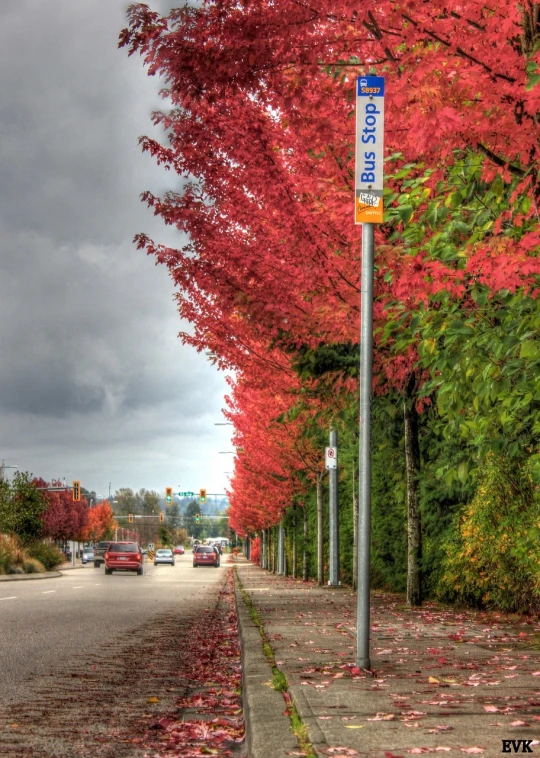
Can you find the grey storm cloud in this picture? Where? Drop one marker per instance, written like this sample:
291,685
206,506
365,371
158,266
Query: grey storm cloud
93,377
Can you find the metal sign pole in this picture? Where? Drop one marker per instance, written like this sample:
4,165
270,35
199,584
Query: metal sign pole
333,518
281,550
364,516
369,163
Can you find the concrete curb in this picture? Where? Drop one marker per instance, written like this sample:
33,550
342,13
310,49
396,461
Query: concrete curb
27,577
268,730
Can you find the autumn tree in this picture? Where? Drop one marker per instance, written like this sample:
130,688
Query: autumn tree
101,523
262,142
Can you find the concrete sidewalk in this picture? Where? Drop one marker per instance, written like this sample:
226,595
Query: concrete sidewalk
443,681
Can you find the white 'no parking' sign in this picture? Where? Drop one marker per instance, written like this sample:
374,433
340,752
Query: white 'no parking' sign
330,457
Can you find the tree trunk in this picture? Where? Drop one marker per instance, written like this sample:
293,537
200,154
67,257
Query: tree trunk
414,532
294,544
320,551
304,551
355,532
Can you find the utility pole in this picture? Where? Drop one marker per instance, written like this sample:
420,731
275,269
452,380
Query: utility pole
333,579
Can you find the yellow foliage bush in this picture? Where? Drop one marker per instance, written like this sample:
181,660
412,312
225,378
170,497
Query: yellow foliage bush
491,557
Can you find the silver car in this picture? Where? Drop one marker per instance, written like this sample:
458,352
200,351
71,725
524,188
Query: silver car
87,556
164,555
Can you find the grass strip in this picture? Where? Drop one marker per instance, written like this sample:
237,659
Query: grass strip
279,680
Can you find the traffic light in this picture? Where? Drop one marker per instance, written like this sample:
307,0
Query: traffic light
197,518
202,496
168,495
76,492
130,518
162,517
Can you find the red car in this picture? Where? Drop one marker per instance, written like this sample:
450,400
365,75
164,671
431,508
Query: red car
178,550
124,556
204,555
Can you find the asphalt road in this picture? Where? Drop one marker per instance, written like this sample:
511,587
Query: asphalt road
63,638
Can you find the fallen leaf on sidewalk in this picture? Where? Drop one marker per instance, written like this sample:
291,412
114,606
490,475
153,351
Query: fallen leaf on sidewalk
354,726
472,750
383,717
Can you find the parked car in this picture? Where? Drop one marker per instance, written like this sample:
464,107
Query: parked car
164,555
99,552
124,556
87,555
205,555
179,550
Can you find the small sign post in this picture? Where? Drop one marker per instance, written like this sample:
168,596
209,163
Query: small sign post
368,211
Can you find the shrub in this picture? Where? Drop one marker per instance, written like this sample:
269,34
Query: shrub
11,553
6,560
48,555
33,566
492,557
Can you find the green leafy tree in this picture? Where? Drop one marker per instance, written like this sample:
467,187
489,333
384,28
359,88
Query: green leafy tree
165,537
195,529
21,507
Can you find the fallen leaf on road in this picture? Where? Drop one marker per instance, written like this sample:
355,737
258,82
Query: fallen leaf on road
354,726
432,680
472,750
519,723
383,717
153,699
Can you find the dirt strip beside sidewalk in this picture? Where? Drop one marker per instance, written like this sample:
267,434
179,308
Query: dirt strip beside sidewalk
443,681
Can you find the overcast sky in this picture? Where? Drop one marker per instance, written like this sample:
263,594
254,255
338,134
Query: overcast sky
94,382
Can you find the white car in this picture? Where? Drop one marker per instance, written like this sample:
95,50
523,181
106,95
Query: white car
164,555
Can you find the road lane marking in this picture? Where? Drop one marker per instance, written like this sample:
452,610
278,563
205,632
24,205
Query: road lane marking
47,592
79,587
12,597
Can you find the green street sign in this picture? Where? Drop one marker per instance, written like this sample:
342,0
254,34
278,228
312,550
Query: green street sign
186,494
